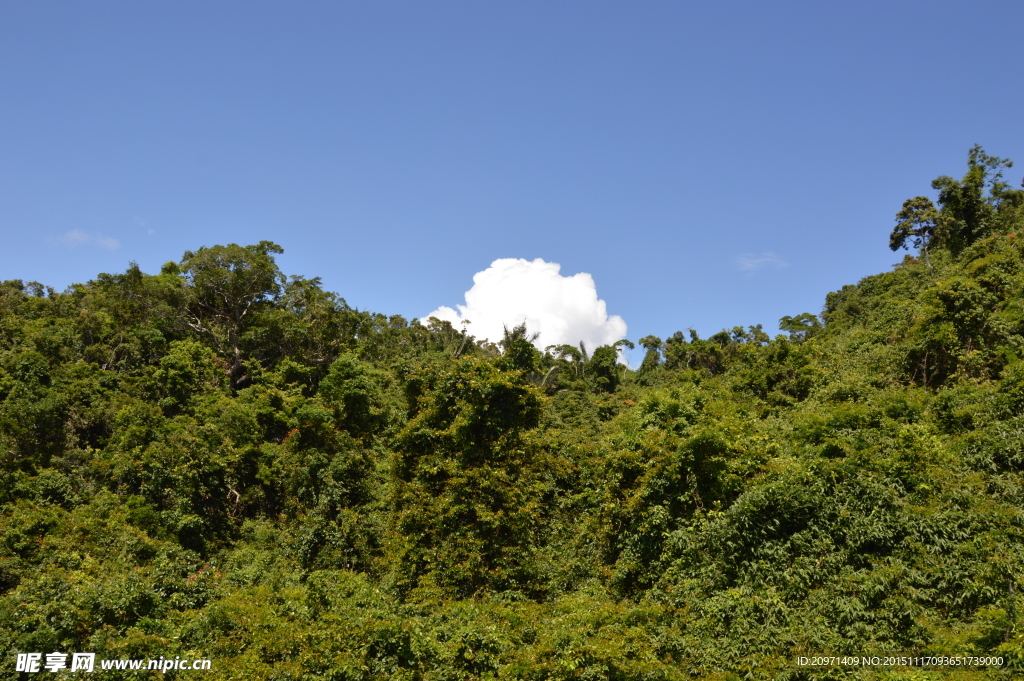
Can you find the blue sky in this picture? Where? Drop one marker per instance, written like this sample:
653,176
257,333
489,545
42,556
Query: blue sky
709,164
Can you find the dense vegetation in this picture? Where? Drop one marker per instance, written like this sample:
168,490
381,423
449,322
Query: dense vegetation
219,461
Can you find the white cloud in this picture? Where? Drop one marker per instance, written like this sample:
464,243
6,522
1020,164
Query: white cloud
564,310
77,237
749,263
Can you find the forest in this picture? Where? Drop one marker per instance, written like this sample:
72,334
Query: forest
220,461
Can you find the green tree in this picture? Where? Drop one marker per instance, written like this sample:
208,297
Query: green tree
708,356
967,213
126,320
226,286
652,356
352,388
305,324
187,370
518,351
917,222
800,327
603,368
466,491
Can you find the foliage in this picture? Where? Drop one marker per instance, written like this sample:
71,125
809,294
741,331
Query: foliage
466,489
220,461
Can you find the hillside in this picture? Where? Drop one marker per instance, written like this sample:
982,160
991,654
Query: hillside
222,462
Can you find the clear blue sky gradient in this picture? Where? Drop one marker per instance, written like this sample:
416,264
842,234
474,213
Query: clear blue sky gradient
395,149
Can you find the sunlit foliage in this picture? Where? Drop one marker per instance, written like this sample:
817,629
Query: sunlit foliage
220,461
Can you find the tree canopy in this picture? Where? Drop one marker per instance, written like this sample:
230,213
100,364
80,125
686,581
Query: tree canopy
219,461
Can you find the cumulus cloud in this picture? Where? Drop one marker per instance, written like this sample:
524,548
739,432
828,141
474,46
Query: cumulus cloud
77,237
564,310
748,263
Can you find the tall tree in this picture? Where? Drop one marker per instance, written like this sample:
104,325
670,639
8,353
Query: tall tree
967,213
226,286
800,327
918,220
652,358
